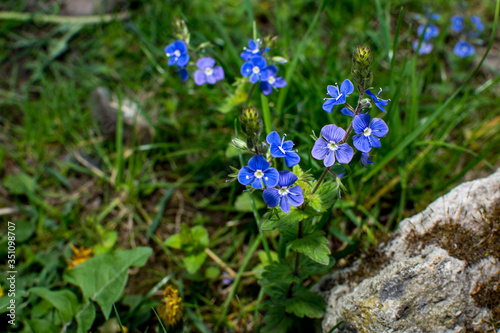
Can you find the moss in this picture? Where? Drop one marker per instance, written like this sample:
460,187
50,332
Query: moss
489,297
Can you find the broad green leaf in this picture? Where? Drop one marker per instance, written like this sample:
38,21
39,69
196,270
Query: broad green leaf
186,237
280,272
43,326
290,232
314,246
284,219
24,230
244,205
200,236
63,300
194,261
277,320
174,241
305,303
85,317
103,278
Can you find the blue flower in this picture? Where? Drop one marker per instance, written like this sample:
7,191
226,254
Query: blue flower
339,97
281,148
273,81
207,73
285,195
463,49
430,32
368,132
365,159
177,52
347,112
477,22
252,50
256,69
329,147
379,102
258,173
457,23
183,74
425,47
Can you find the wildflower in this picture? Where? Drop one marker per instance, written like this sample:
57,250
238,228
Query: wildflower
177,52
457,23
281,148
183,74
256,69
379,102
477,22
331,147
272,81
425,47
252,50
463,49
339,97
258,173
347,112
80,255
429,31
365,159
207,73
285,195
170,309
368,132
227,279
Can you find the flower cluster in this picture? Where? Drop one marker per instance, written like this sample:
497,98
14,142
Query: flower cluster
207,72
468,30
256,68
429,30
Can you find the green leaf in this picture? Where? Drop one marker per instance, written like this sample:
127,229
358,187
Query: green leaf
4,303
314,246
315,202
277,320
212,273
19,183
243,203
85,317
194,261
42,326
200,236
284,219
279,272
174,241
103,278
305,303
328,193
63,300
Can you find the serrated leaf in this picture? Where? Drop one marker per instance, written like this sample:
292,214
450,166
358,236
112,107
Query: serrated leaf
194,261
277,320
328,193
305,303
311,267
279,272
63,300
284,219
85,317
103,278
314,246
315,202
290,232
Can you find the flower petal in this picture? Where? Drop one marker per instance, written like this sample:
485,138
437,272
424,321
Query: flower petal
329,104
329,159
284,205
218,73
276,151
291,158
296,196
246,69
272,70
246,176
264,75
271,177
169,49
344,154
271,197
347,112
181,46
183,60
211,79
320,149
280,82
258,162
172,61
361,122
333,133
287,145
379,127
375,142
257,183
183,73
259,62
199,77
273,138
361,143
206,62
254,78
252,45
287,178
266,88
347,87
333,91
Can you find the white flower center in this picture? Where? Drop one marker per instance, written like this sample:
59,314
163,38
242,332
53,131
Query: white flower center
367,132
271,80
256,50
177,53
258,174
256,69
281,149
209,71
283,191
332,146
465,48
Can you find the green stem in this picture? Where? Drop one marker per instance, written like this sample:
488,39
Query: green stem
297,260
266,112
250,94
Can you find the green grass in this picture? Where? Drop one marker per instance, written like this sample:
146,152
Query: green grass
443,130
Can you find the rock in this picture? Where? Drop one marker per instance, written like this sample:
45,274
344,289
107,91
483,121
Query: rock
440,273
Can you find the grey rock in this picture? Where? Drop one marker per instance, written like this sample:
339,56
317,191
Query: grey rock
429,282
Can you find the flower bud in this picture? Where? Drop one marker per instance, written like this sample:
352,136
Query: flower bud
361,61
251,125
365,103
239,144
